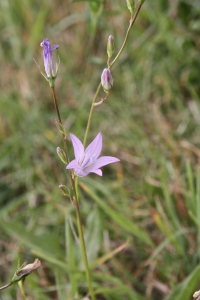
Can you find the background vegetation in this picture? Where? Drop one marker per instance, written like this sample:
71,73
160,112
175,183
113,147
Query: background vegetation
142,218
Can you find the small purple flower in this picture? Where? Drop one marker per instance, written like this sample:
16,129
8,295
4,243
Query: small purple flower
87,161
48,58
106,80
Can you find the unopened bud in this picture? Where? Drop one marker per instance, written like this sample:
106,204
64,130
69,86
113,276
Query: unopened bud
106,80
131,5
65,190
196,294
60,127
22,272
110,46
141,1
62,155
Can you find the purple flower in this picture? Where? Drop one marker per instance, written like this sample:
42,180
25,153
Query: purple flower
106,80
48,58
87,161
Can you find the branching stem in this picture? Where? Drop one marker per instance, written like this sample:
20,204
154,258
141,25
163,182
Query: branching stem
132,21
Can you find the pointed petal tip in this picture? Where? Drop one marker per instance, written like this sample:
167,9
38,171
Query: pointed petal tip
95,147
98,172
54,47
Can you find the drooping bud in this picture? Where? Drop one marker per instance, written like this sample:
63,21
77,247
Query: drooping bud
106,80
131,5
110,46
62,155
64,189
24,271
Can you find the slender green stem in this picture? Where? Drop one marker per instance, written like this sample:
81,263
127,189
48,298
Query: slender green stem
132,21
21,285
56,105
60,121
79,222
90,115
82,242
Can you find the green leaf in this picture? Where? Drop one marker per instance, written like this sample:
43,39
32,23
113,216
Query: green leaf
93,234
120,219
187,288
46,245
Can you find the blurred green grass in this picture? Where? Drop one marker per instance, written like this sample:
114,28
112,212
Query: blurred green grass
151,200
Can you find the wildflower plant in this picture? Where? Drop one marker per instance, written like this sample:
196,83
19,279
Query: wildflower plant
86,159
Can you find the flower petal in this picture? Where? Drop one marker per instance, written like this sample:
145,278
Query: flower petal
77,169
54,47
78,148
106,79
98,172
80,173
73,164
94,149
100,162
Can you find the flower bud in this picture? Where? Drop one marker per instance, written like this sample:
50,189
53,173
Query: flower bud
131,5
110,46
65,190
24,271
60,127
141,1
51,72
106,80
196,294
62,155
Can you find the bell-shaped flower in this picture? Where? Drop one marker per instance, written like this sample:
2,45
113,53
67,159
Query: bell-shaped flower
48,58
88,160
106,80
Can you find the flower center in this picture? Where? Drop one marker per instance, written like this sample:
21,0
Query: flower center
87,161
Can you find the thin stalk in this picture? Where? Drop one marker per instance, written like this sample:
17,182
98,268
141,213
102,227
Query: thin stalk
82,242
78,214
90,114
56,105
132,21
60,121
21,285
5,286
